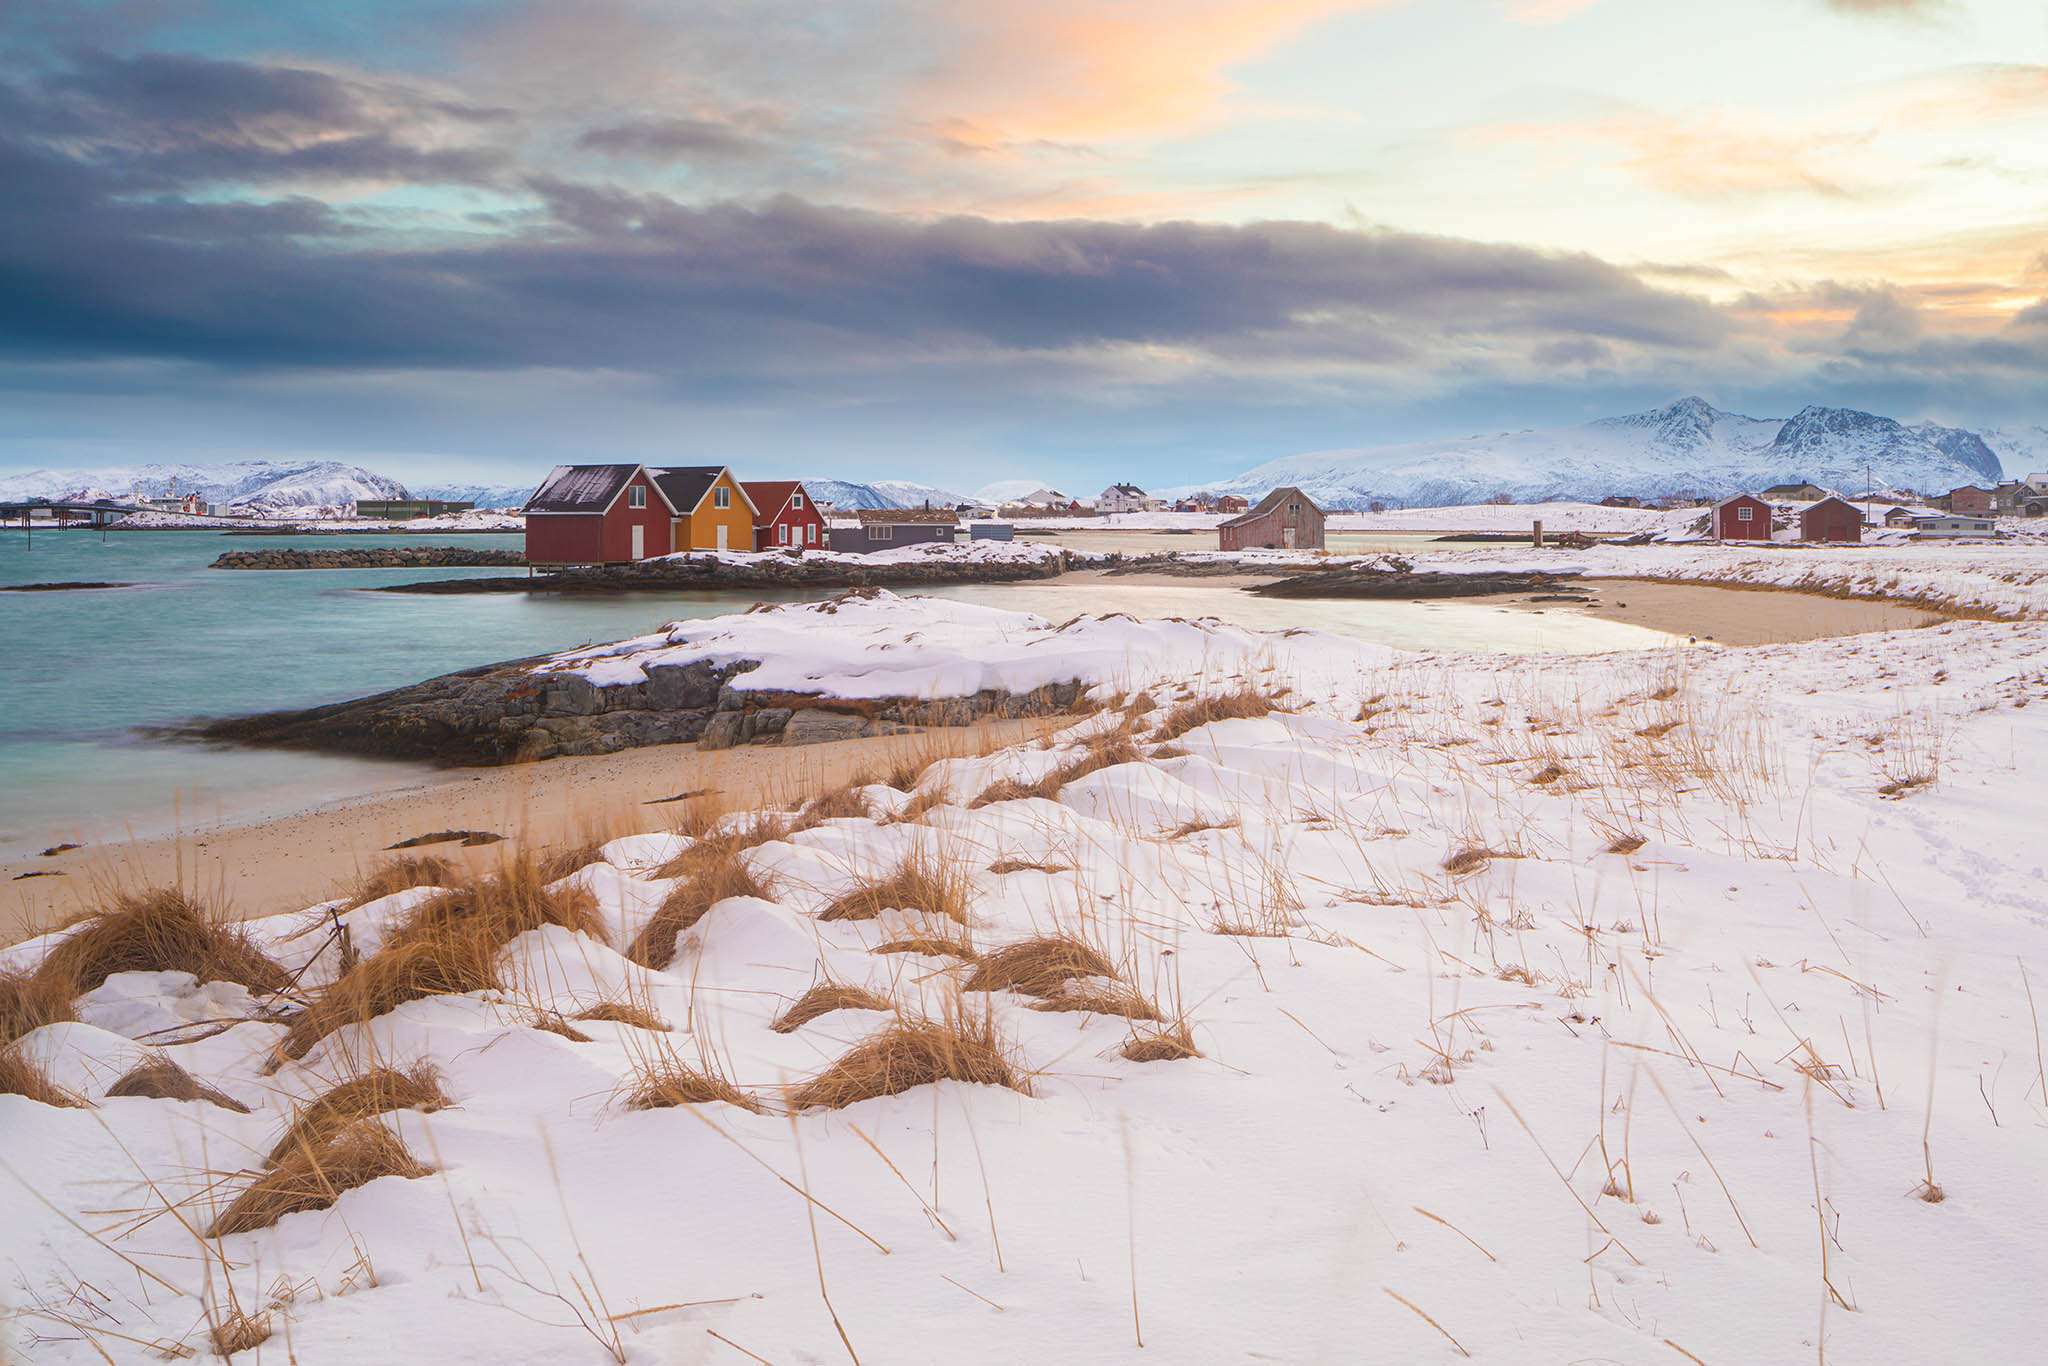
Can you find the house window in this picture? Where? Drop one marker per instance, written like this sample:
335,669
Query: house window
721,497
636,496
811,533
1294,509
1743,514
882,532
796,500
782,533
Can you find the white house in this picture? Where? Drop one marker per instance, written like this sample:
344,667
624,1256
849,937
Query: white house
1951,527
1126,498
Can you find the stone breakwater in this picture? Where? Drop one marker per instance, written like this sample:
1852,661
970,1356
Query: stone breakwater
506,714
377,557
793,571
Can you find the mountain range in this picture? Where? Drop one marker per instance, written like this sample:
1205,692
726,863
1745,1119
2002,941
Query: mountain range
280,485
1688,446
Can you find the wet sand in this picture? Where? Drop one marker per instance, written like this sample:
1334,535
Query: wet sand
282,863
1737,616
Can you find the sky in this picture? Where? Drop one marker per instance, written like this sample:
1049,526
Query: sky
967,240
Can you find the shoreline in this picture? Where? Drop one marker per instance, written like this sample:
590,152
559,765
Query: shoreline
261,865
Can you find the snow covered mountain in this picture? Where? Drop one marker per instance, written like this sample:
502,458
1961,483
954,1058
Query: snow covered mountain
2024,450
883,493
1687,446
483,495
268,484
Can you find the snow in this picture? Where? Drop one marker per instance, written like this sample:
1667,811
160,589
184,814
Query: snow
1570,1104
881,493
1688,446
267,484
474,520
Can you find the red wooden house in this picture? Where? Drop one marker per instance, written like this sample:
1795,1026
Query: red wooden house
1744,517
1831,519
598,514
785,518
1286,518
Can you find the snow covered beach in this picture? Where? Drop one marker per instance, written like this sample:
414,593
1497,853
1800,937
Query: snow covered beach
1566,1007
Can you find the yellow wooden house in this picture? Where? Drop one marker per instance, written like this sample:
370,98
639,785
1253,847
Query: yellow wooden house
712,510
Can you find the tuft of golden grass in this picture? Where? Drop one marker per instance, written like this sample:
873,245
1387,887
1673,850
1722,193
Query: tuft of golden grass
20,1076
823,999
921,882
30,1000
662,1082
1200,711
240,1332
1168,1043
158,1078
555,864
1196,827
930,945
1038,967
916,807
914,1052
1105,750
1626,844
841,803
1101,998
499,908
1472,858
765,828
399,874
375,1092
448,964
159,929
550,1022
716,869
625,1013
1019,865
313,1177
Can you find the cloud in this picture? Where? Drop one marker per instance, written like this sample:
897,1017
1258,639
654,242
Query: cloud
673,139
1717,154
1889,9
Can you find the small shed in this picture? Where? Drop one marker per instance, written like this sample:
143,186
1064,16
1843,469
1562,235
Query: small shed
1233,503
1796,493
1285,519
1831,519
785,516
886,528
1744,517
991,531
597,514
1901,516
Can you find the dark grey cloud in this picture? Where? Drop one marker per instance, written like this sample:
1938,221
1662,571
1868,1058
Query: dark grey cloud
665,140
2033,315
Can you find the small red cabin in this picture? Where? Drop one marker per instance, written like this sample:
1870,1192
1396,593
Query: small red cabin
1285,519
1831,519
1969,501
785,518
1745,517
597,514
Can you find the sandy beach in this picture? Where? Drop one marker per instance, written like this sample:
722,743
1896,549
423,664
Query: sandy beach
280,863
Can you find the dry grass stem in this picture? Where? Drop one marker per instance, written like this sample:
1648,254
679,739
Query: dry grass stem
1200,711
392,875
1169,1044
1038,967
625,1013
716,869
30,1000
159,929
920,882
375,1092
911,1053
667,1081
20,1076
451,965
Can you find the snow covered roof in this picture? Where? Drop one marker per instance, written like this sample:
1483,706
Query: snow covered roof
580,488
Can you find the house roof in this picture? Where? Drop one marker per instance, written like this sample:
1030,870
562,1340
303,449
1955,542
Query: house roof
580,488
1127,488
1737,498
900,516
1271,501
685,487
770,497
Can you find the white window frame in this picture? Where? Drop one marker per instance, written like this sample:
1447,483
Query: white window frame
782,533
796,501
811,533
1745,514
882,531
636,496
721,497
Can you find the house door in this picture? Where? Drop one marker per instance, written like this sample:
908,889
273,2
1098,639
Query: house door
1287,537
721,537
639,542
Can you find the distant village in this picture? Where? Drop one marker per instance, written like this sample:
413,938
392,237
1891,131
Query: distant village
619,513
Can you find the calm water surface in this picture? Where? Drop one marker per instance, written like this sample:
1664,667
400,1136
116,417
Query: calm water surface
80,671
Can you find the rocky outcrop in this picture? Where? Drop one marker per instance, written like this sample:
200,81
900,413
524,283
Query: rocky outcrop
506,713
806,571
377,557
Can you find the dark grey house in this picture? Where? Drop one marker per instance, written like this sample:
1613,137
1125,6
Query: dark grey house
886,528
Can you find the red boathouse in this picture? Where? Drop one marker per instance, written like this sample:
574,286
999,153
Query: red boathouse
785,518
1745,517
597,514
1831,519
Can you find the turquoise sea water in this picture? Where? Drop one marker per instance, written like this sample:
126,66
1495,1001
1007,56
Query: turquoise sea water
81,671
